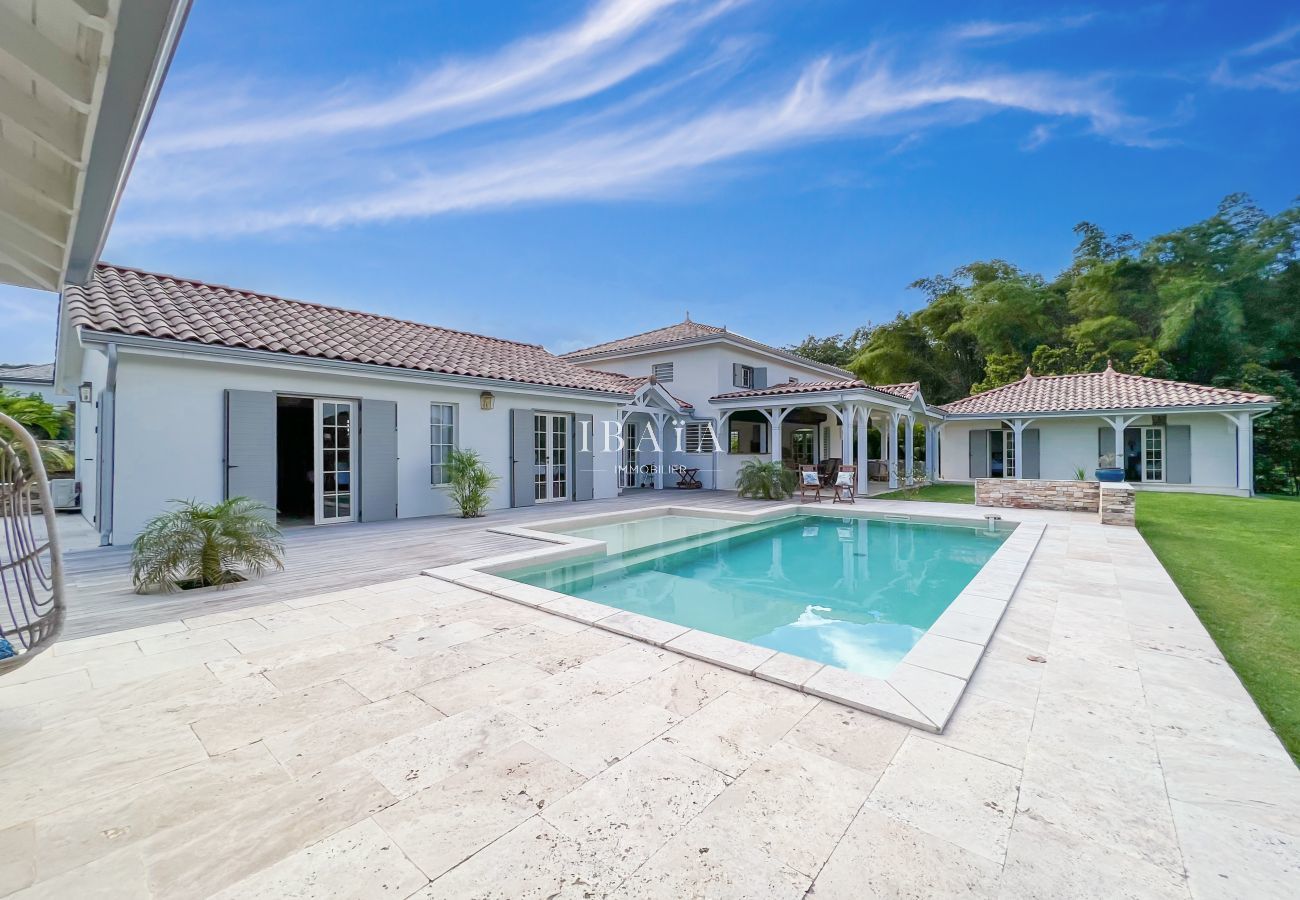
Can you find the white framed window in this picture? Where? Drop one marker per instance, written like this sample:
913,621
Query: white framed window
442,439
699,437
662,372
742,376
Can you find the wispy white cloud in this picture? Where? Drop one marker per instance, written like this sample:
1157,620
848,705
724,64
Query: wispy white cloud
991,31
395,160
1271,63
615,41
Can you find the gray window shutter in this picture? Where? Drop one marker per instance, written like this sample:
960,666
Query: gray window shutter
250,446
521,458
1029,462
584,457
760,377
1178,454
378,460
979,453
736,378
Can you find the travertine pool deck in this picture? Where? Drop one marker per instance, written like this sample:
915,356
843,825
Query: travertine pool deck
417,738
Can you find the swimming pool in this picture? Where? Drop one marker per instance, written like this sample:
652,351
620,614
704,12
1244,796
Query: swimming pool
856,593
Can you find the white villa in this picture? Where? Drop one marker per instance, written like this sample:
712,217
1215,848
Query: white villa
193,390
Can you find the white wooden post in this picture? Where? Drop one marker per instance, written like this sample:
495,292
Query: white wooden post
775,416
1119,423
659,419
864,450
909,440
891,443
846,413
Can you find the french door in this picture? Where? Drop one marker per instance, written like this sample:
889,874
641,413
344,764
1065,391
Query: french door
630,453
1002,454
1153,454
335,461
550,457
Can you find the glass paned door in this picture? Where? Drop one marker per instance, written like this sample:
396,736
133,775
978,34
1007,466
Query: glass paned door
630,453
334,462
550,457
1002,454
1153,454
802,446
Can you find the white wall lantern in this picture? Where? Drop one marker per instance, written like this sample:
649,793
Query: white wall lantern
85,392
486,400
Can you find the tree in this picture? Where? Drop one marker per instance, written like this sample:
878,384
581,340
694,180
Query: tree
44,421
1217,301
836,350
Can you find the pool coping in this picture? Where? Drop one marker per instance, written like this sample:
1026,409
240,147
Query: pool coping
922,691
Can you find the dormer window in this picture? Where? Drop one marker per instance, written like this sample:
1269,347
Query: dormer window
742,376
662,372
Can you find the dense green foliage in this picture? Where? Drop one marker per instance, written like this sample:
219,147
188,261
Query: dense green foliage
1231,557
1217,302
765,480
470,482
201,545
44,421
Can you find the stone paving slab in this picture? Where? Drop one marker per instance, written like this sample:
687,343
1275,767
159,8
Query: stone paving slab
321,748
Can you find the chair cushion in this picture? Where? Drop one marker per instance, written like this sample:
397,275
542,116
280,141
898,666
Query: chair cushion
844,479
810,479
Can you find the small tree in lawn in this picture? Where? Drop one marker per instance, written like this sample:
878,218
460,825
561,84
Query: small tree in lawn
471,482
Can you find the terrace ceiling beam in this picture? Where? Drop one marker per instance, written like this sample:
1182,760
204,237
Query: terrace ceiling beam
61,134
46,277
20,240
11,275
49,63
39,220
23,173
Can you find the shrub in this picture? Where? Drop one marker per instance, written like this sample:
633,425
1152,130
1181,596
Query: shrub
471,482
765,480
201,545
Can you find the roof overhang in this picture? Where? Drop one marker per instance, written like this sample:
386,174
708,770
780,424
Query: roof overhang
78,83
735,340
243,356
814,398
1094,413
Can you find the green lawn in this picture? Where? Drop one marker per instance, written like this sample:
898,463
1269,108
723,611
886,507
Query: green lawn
936,493
1237,563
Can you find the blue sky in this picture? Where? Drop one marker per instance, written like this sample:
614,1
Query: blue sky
569,172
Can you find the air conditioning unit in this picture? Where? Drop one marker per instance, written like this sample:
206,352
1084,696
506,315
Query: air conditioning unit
66,493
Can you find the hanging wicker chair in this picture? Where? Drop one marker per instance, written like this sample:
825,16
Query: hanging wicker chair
31,567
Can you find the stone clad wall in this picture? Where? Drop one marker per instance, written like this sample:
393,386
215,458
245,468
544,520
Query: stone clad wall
1071,496
1118,506
1114,503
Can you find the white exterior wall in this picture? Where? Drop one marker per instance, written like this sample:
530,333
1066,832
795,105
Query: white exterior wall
94,368
704,371
1067,443
171,429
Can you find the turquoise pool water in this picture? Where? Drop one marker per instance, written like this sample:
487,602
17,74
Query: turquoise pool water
854,593
637,533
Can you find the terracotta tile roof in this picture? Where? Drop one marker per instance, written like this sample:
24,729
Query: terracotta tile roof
1096,391
128,301
43,374
907,390
795,387
682,331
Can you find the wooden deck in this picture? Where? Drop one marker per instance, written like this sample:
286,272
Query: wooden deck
318,560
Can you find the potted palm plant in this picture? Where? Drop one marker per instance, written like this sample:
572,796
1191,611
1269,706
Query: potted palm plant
200,545
471,482
765,480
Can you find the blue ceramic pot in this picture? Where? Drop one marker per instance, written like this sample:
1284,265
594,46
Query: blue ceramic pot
1115,474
